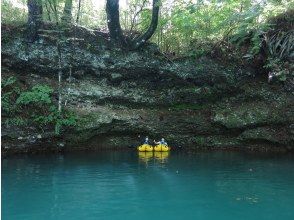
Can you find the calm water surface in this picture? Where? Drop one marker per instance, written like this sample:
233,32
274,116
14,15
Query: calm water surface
126,185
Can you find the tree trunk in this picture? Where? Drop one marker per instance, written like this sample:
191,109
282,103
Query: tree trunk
35,20
48,11
115,31
79,11
138,42
67,17
59,77
113,23
53,8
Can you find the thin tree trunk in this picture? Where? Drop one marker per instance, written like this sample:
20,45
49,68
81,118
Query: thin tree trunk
67,16
35,19
59,77
52,5
48,10
79,11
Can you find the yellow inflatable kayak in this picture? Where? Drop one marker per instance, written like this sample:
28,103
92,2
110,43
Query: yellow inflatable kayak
145,148
161,148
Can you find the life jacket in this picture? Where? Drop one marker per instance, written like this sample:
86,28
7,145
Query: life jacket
163,142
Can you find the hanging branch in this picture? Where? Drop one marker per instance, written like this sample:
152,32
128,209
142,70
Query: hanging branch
137,13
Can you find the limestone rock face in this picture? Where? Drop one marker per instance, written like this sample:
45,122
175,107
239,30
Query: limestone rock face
120,96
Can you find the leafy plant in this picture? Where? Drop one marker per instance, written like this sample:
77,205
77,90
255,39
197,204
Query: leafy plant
7,82
35,106
18,121
38,95
59,119
279,69
9,90
42,110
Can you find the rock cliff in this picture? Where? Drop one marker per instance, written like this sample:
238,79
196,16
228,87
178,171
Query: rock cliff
121,95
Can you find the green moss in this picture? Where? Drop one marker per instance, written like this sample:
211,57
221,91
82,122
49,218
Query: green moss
247,114
93,120
200,140
273,135
16,121
216,141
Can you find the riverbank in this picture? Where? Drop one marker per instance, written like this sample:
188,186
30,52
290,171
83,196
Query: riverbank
121,96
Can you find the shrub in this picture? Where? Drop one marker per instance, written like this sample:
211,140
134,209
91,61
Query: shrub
38,95
9,91
41,109
35,106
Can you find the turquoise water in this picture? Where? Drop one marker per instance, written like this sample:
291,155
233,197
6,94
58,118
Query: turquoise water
125,185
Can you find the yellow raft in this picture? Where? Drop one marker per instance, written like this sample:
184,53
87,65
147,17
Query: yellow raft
161,148
145,148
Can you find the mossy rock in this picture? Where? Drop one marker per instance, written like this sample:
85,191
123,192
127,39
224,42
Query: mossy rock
252,114
274,135
217,141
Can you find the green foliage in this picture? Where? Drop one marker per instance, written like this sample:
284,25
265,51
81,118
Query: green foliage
279,69
200,140
189,27
280,44
13,12
17,121
9,90
59,119
38,95
7,82
255,26
34,106
42,110
185,27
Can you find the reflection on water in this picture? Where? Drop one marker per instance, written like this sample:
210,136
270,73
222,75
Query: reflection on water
145,156
148,157
151,185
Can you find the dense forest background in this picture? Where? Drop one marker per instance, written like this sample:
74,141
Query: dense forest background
185,27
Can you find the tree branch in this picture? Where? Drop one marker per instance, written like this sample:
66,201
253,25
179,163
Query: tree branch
137,13
140,41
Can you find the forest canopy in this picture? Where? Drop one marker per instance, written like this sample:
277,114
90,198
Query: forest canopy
183,25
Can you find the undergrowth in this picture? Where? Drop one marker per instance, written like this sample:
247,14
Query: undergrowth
34,106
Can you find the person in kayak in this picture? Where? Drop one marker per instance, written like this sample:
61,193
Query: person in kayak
146,140
162,141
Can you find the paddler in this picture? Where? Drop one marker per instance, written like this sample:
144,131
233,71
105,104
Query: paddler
146,140
162,141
